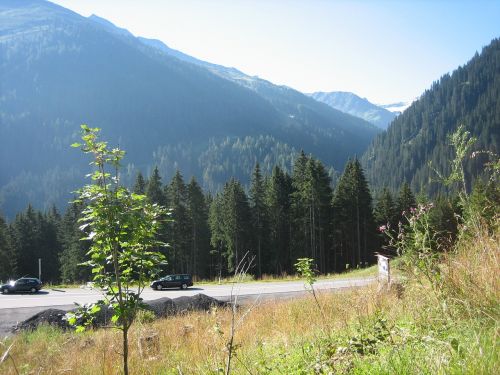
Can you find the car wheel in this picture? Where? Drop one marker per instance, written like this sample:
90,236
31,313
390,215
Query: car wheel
184,286
158,287
33,290
5,291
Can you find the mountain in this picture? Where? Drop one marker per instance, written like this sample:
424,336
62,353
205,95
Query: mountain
469,97
397,107
354,105
59,70
288,101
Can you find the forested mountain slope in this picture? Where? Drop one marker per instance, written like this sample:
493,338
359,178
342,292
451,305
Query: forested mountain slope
59,70
469,96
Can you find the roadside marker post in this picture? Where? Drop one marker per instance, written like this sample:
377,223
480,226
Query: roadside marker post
384,269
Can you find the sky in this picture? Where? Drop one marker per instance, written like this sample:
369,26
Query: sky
386,51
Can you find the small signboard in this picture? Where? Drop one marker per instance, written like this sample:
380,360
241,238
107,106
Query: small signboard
384,270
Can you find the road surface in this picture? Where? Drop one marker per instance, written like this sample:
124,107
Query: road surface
18,307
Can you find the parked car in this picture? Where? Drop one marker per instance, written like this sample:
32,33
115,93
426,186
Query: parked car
182,281
24,284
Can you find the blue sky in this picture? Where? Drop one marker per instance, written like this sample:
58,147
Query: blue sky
384,50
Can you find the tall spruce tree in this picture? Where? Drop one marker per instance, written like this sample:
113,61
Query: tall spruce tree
385,211
260,221
278,199
179,229
49,245
217,237
73,250
26,235
300,245
140,184
354,228
200,232
7,266
154,189
321,196
385,214
237,224
406,200
311,199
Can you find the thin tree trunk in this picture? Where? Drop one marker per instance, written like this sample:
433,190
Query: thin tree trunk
259,245
125,350
358,231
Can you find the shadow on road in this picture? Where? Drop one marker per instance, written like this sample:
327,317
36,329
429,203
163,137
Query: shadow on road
176,289
24,293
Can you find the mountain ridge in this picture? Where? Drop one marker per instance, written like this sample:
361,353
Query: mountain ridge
61,69
353,104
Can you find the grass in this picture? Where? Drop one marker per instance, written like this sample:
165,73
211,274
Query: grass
361,272
410,329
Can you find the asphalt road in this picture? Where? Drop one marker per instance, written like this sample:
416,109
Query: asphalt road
15,308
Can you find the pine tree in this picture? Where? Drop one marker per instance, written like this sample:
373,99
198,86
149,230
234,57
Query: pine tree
154,190
179,229
200,233
354,228
278,199
237,225
301,246
385,214
385,211
140,184
26,235
73,250
406,200
217,236
311,209
49,245
259,220
7,265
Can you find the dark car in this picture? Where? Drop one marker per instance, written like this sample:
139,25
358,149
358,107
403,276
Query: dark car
25,284
173,281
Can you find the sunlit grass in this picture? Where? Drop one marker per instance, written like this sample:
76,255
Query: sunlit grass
361,272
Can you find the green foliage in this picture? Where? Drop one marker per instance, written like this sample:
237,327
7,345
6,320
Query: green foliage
462,142
418,243
121,227
483,203
304,267
84,315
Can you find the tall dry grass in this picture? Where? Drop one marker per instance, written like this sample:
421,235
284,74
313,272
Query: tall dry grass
471,277
194,343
